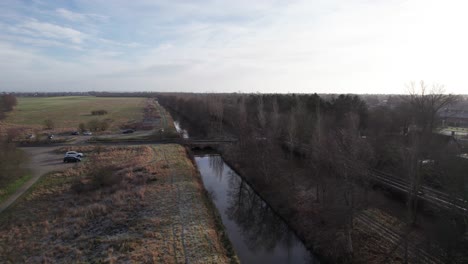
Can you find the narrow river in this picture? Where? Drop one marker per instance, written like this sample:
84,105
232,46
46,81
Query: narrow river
257,234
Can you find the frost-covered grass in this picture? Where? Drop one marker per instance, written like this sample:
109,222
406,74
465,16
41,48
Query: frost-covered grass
124,204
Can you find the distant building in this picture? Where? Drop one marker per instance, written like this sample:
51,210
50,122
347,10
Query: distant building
454,117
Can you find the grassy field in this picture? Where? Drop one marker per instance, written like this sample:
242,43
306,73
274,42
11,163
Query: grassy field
146,204
9,189
159,119
68,111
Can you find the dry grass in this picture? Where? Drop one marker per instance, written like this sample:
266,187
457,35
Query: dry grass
154,213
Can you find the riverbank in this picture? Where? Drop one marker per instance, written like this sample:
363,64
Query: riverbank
140,204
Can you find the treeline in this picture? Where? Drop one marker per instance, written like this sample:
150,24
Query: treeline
280,115
312,158
49,94
300,121
273,131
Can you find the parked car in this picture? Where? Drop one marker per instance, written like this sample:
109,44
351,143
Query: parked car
50,136
128,131
75,133
87,133
71,159
74,154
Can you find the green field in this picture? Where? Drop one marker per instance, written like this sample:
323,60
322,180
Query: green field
9,189
68,111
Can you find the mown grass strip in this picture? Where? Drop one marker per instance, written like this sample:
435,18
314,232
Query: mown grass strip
11,188
15,209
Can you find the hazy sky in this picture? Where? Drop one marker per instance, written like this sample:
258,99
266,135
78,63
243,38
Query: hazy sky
325,46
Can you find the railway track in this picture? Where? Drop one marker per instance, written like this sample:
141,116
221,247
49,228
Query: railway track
397,239
427,194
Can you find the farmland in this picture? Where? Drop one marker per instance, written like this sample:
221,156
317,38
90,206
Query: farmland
146,205
69,111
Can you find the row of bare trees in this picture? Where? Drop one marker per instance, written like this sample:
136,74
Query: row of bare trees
315,153
287,142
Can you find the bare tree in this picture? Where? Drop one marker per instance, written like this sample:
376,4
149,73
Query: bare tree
291,131
216,111
241,123
426,103
275,119
261,115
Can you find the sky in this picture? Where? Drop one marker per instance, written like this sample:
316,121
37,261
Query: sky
310,46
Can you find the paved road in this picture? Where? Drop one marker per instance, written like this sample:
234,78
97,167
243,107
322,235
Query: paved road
42,160
123,142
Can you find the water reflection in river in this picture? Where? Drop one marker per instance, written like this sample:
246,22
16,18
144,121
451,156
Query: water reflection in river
256,232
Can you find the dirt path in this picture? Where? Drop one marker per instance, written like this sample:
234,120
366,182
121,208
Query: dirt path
42,160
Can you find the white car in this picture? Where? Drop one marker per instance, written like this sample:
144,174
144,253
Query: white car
74,154
87,133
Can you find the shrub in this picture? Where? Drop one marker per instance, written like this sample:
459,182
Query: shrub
10,162
98,125
82,127
98,177
49,124
104,125
105,176
99,112
7,102
93,125
12,134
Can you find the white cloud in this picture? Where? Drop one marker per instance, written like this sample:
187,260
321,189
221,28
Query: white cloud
78,17
40,42
49,31
303,46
